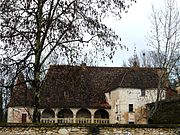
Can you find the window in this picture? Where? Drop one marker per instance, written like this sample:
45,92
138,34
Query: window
143,92
117,118
130,107
116,109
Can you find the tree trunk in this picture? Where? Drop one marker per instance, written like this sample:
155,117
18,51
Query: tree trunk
1,106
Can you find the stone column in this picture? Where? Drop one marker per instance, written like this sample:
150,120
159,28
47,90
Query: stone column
92,114
41,111
92,118
74,110
74,118
56,112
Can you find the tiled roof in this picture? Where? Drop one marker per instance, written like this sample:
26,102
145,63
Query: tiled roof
140,78
82,86
77,86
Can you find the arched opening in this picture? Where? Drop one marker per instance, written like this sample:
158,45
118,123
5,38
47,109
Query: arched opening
101,116
48,116
83,116
48,113
65,116
65,113
83,113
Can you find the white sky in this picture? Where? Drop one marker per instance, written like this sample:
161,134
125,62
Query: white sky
133,29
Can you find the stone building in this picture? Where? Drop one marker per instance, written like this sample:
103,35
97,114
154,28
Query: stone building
83,94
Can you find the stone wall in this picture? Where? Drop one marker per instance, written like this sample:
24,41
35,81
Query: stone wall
30,129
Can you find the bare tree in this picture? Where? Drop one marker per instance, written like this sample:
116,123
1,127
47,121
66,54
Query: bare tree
133,60
165,40
36,33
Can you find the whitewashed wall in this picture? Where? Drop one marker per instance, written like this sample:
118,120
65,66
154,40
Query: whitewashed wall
15,114
120,98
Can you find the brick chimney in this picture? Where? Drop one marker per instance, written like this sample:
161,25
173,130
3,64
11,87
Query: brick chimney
83,66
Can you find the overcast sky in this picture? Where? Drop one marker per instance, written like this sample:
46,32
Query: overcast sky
133,28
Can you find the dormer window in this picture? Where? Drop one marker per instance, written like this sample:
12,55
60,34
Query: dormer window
143,92
66,94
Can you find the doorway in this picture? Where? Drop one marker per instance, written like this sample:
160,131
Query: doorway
24,117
